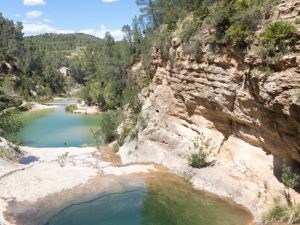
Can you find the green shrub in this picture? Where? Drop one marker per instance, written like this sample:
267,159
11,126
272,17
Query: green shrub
221,22
282,213
7,101
109,122
202,11
116,147
276,213
25,107
62,159
237,35
297,21
235,21
290,180
10,125
265,69
3,153
198,160
279,37
162,41
71,108
294,214
124,134
130,96
189,30
203,147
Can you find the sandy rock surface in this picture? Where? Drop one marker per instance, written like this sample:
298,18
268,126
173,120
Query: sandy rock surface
46,176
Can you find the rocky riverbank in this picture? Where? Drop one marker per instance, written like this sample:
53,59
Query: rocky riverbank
35,181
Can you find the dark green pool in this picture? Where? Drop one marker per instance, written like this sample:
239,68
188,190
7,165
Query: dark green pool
163,202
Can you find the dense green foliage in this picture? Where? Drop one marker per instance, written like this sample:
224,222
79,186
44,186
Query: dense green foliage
232,22
10,125
109,121
11,44
203,148
235,21
290,180
25,107
278,37
29,67
71,108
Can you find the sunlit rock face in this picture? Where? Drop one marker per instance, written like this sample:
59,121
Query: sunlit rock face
225,94
252,117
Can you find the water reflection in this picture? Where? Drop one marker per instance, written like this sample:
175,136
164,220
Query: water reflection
162,202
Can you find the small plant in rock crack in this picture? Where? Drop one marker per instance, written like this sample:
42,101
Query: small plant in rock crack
290,180
203,147
62,159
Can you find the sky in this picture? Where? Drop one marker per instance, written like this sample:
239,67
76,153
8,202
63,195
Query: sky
94,17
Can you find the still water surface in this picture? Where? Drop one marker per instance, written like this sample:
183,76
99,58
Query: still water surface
163,201
57,128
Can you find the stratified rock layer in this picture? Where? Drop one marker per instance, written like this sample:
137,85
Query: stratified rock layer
260,108
252,117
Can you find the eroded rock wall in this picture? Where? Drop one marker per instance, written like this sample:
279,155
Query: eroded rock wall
253,118
230,93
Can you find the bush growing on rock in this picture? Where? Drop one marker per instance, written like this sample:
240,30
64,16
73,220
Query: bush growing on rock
3,153
189,30
290,181
234,22
276,213
282,213
25,107
10,125
109,122
62,159
279,37
289,212
203,147
124,134
71,108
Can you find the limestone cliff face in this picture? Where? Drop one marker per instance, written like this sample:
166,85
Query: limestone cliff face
230,94
252,117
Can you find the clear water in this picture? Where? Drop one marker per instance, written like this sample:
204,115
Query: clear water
163,202
57,128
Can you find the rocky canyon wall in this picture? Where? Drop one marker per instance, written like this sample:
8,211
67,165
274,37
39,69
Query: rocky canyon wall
252,117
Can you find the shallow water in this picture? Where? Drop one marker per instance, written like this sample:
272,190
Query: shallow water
57,128
163,201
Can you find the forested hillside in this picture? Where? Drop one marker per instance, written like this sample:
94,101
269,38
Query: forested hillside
30,65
